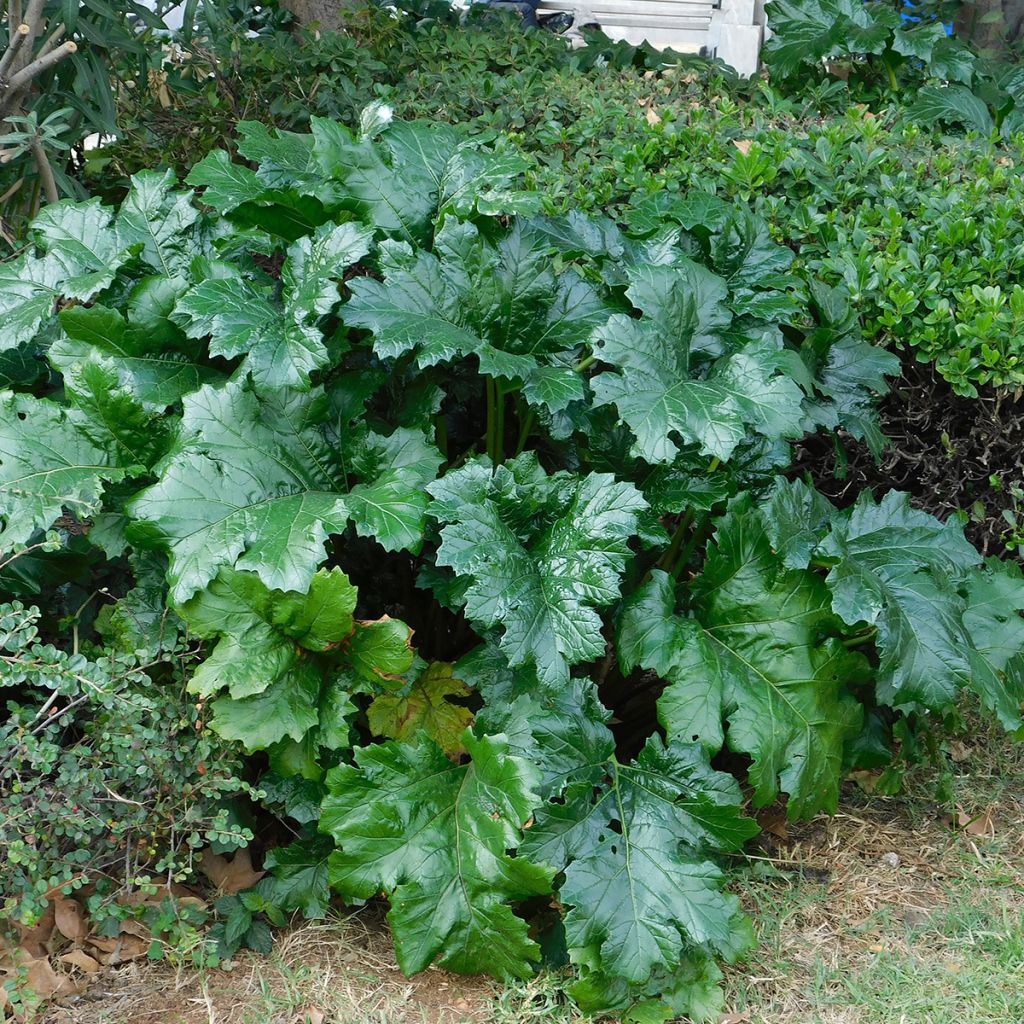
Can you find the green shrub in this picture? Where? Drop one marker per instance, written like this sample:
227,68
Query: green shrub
869,47
919,227
58,87
484,519
105,770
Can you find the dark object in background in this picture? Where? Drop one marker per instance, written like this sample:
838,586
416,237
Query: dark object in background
560,21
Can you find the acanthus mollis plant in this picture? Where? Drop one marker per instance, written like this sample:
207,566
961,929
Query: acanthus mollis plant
485,520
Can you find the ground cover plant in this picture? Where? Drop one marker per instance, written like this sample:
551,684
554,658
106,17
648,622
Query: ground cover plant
483,520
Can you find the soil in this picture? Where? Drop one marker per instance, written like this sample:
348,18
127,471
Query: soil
950,453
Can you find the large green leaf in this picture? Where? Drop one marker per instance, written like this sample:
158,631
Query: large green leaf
49,463
112,416
641,891
901,570
399,179
500,301
564,732
161,221
954,104
299,873
652,636
772,639
807,31
259,484
282,344
995,624
158,376
541,555
658,384
436,836
82,256
264,633
275,668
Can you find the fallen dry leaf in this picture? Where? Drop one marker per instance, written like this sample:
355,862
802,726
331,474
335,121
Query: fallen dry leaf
70,919
773,819
971,824
136,928
652,116
36,939
866,781
981,825
743,145
116,951
959,751
45,982
229,875
735,1018
311,1015
80,959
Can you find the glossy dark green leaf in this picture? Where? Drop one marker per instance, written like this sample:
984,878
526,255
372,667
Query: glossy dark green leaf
260,483
436,837
541,581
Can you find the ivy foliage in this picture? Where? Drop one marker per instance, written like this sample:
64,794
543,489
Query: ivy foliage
363,389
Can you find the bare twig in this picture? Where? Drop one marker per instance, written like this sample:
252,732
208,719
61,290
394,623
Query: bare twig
34,20
39,65
55,37
13,16
13,47
45,170
3,199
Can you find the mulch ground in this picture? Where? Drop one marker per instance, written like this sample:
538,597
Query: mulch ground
950,453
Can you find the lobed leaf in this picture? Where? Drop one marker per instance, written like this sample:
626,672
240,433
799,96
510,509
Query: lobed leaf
436,837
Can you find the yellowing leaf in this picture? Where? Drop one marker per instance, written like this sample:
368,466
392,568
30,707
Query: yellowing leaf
426,706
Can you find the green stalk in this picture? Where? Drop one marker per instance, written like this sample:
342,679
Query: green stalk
491,415
696,536
585,364
499,424
678,536
891,72
525,426
441,434
860,638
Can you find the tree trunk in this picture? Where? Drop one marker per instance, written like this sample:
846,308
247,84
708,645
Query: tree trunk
995,27
322,14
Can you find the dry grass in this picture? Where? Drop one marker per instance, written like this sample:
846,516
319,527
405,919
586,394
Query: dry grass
342,972
889,914
884,914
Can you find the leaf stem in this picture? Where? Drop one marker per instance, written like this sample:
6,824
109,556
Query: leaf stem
499,426
891,72
441,434
683,560
678,536
867,636
525,426
585,364
491,411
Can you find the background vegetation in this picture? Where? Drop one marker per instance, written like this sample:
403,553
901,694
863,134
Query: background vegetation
849,221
